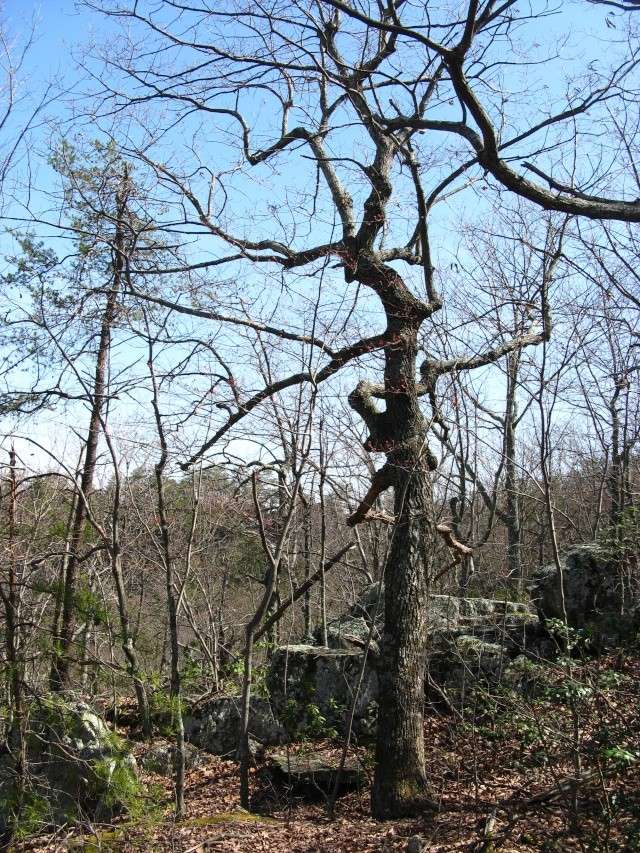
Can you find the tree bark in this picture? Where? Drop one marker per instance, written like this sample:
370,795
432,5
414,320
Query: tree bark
63,638
11,601
400,783
400,431
512,513
128,647
175,683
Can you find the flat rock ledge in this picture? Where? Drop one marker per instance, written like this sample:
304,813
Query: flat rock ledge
317,771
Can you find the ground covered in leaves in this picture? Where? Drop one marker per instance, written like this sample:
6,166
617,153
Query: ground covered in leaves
503,772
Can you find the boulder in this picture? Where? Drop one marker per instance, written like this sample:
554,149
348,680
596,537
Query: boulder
352,632
78,768
315,772
88,767
527,678
470,642
593,594
311,688
215,725
464,667
506,622
161,758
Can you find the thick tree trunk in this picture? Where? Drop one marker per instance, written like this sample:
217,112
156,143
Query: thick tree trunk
400,431
400,785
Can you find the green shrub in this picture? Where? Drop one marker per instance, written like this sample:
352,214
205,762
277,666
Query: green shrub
164,711
123,790
34,813
306,722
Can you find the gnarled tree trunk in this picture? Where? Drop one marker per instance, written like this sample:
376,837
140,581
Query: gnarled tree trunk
400,783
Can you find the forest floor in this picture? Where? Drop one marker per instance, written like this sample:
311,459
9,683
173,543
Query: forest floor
498,775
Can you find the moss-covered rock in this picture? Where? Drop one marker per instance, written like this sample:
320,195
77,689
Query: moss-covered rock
527,678
161,758
77,768
312,689
465,667
506,622
593,592
215,725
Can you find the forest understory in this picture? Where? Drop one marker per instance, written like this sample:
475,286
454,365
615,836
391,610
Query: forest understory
503,777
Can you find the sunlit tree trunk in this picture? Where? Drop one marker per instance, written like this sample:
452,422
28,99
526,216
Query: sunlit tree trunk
400,784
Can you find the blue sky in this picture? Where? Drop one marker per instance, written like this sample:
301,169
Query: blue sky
62,31
59,28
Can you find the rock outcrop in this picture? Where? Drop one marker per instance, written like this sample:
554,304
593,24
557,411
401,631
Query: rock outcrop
463,668
312,689
593,592
316,772
472,640
161,758
492,620
77,767
476,645
215,725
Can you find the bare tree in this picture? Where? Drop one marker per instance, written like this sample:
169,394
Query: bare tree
362,97
21,106
10,593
